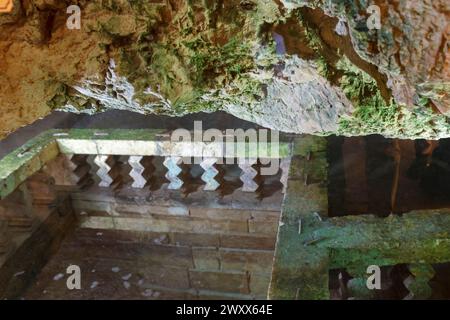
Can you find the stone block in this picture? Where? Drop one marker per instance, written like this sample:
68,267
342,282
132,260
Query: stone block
166,276
259,283
220,214
259,261
166,255
152,209
194,239
262,225
229,226
233,281
206,258
251,241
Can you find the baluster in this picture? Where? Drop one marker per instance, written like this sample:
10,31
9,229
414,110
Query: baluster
211,172
142,170
174,169
285,164
418,283
108,172
93,168
248,175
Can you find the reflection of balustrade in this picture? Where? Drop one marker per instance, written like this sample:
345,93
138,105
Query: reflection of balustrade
310,244
418,282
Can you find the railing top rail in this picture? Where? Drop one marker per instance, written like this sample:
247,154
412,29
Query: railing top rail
26,160
162,143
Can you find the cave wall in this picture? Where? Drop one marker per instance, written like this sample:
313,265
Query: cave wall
291,65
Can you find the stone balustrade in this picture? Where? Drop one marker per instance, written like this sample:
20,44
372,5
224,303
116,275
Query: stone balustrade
107,171
93,156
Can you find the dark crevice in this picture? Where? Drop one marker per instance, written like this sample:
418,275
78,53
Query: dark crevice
310,34
295,39
46,24
324,26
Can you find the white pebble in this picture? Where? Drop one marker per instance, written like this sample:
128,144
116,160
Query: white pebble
147,293
59,276
19,273
115,269
94,284
341,29
127,277
127,285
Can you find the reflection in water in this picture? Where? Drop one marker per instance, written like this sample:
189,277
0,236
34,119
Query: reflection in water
379,176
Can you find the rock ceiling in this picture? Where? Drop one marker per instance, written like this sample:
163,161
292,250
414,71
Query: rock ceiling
291,65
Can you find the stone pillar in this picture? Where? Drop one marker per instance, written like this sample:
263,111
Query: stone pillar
108,172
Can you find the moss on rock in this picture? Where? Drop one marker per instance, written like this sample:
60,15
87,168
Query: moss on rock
266,61
373,115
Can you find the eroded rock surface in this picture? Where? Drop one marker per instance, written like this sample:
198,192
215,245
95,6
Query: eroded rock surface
292,65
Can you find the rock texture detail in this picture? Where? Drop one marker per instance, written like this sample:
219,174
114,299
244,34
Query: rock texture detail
293,65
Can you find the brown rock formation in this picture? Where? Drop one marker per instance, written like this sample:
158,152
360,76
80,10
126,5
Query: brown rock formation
292,65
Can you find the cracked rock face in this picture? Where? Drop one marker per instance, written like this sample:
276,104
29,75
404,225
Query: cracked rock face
291,65
411,48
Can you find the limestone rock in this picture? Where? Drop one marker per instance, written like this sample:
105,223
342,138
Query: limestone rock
276,63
